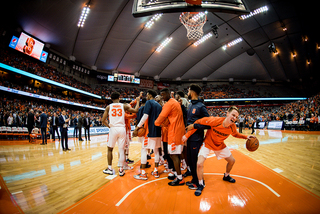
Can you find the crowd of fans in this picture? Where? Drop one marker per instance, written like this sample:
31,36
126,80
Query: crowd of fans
44,70
306,112
14,112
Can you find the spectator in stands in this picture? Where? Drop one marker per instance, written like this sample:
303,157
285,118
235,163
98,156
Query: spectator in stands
241,123
10,120
43,126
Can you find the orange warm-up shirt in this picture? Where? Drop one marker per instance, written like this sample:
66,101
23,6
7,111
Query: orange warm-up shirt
164,134
172,110
215,136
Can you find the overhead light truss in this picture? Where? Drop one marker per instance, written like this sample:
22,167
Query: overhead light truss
255,12
83,16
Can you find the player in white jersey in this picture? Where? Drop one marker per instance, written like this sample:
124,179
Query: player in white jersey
115,112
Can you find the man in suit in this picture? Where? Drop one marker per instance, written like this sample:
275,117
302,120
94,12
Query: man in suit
86,125
54,124
43,126
30,122
80,124
64,122
75,123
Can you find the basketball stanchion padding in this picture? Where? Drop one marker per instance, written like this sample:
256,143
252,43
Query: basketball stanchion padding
252,144
194,2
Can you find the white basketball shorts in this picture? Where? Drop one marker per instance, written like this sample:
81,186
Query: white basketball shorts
220,154
117,134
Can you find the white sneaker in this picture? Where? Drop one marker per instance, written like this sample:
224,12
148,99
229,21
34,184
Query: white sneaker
127,167
108,171
141,177
121,173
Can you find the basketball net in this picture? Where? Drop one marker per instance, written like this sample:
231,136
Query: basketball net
193,22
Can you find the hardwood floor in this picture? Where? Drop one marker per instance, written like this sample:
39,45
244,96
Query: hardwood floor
44,179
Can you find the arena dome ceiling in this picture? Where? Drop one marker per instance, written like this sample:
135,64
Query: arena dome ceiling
112,39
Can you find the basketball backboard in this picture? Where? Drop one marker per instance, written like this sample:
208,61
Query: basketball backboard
149,7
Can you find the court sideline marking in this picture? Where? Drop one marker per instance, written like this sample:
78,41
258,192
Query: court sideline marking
124,197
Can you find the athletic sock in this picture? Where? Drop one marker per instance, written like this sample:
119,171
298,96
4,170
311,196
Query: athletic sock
226,174
143,172
155,169
110,167
201,182
179,177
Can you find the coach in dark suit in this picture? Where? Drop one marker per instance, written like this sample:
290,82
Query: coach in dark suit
64,122
75,123
80,124
30,122
86,125
43,127
54,123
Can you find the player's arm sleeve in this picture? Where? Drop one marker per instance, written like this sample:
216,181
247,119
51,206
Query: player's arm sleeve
201,127
163,115
189,133
236,134
197,124
143,120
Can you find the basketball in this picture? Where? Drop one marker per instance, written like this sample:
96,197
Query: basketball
252,144
165,123
141,132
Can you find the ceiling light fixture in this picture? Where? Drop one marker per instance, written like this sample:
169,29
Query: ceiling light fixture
154,18
232,43
204,38
255,12
83,15
163,44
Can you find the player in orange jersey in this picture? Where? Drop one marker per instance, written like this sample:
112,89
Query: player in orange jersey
172,110
115,112
221,128
128,117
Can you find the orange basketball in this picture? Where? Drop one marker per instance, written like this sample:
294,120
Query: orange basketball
252,144
141,132
165,123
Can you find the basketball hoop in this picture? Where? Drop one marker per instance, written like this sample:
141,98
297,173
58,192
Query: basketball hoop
193,22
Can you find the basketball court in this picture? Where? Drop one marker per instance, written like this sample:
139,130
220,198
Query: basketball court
257,190
280,177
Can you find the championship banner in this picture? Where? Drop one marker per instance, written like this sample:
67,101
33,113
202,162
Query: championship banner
146,83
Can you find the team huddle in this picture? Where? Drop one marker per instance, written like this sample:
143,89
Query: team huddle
174,131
